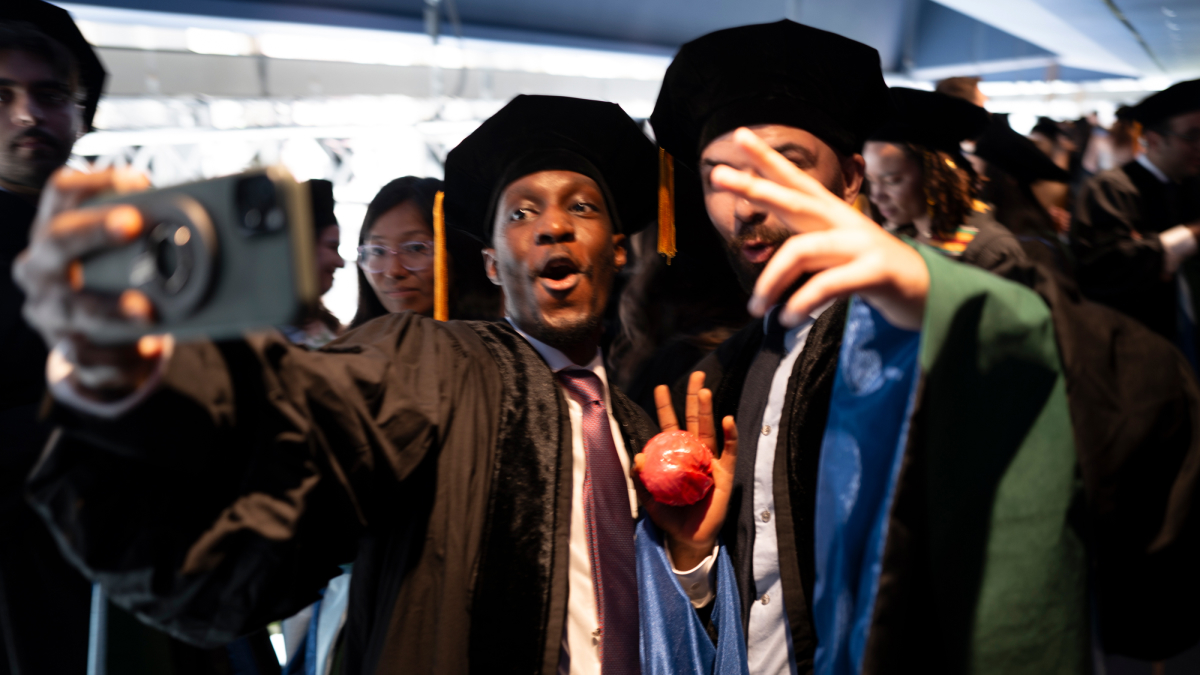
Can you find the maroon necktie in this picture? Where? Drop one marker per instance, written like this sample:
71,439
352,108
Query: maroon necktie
609,525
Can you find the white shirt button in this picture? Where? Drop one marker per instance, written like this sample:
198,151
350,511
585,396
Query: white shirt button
766,599
766,430
766,516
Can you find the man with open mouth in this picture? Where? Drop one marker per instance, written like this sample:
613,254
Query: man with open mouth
477,473
909,491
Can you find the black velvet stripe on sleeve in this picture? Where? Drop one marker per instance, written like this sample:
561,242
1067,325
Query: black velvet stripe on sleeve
520,588
806,409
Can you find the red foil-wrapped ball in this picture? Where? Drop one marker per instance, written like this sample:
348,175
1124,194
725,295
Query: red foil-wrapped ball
678,468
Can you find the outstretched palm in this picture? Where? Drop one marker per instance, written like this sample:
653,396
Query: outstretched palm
691,531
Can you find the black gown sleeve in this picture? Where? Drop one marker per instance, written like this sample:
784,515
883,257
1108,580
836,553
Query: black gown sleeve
228,497
1135,413
1118,260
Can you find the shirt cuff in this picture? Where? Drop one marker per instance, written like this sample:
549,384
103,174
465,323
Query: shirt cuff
1178,243
698,582
58,372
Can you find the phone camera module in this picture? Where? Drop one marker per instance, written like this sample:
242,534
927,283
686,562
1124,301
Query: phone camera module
258,208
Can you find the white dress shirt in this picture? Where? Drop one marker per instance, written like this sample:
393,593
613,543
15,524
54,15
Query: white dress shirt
769,644
581,653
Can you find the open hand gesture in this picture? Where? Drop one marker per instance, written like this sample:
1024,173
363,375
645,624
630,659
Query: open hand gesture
691,531
848,252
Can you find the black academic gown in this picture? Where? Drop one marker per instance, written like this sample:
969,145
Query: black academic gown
1120,258
436,456
44,602
802,429
1134,441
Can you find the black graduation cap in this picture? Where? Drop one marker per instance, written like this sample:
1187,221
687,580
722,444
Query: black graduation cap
321,194
775,73
552,133
1016,154
1180,98
56,23
935,121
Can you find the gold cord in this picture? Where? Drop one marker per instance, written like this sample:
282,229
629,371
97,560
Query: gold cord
441,266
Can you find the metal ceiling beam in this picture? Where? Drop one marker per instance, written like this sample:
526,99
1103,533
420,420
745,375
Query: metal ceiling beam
1029,20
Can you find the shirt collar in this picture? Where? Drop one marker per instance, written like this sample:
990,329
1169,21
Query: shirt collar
555,358
1149,166
813,316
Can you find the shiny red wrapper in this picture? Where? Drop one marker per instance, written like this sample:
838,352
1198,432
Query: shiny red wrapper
678,468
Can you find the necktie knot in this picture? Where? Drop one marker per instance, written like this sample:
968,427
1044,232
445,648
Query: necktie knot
583,386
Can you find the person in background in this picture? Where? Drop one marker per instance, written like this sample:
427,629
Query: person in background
1056,144
1136,226
395,258
672,315
1126,137
50,82
924,187
966,88
321,326
1011,167
395,274
1052,140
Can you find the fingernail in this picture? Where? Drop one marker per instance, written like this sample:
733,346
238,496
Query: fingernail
128,180
135,305
755,307
123,222
150,346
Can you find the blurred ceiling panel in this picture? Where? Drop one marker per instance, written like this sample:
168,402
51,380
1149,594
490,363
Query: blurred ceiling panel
919,38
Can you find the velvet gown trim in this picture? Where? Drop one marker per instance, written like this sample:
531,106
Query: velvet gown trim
806,406
521,578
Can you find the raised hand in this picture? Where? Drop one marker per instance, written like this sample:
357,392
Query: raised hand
62,233
691,531
847,251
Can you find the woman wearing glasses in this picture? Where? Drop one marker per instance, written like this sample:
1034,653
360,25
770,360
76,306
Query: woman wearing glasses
395,258
395,274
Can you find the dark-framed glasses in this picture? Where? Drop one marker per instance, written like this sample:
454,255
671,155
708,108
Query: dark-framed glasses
413,256
1191,138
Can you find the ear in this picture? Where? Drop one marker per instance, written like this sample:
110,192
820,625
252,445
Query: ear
620,255
490,265
854,168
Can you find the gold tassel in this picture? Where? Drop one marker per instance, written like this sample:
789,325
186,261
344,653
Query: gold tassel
666,205
862,204
441,266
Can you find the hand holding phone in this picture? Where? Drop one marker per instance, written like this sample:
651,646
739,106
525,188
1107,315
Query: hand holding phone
109,265
62,231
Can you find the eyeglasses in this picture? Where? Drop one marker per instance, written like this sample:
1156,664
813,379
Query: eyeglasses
1191,138
414,256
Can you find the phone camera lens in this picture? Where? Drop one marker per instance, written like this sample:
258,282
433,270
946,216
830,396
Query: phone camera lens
170,253
275,219
257,205
166,258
